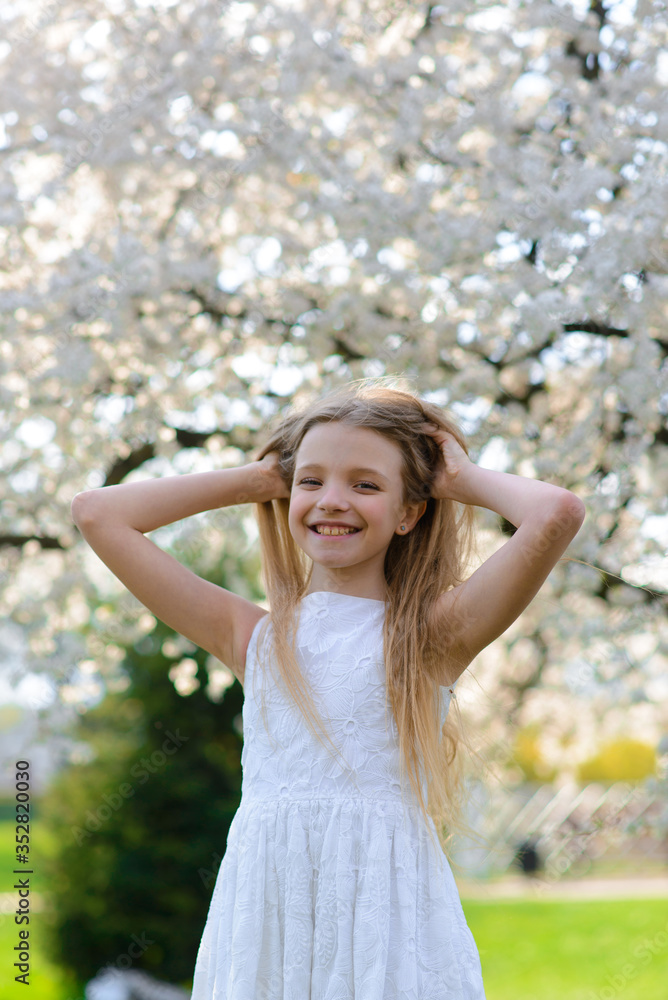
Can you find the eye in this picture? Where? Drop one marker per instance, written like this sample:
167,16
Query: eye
309,481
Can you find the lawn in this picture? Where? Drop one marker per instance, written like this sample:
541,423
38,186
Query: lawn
530,950
46,981
589,950
594,950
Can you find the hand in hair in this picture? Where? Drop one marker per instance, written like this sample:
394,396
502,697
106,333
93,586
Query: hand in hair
268,484
452,464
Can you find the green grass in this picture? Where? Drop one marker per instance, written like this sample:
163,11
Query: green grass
589,950
40,841
530,950
47,982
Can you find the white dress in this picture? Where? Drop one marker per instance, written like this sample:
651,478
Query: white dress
330,887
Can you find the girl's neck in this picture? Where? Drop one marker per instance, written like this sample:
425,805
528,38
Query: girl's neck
372,590
365,597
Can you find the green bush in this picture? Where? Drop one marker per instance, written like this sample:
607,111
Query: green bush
620,760
528,758
140,830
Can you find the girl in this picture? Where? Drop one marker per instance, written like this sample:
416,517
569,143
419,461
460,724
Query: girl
335,884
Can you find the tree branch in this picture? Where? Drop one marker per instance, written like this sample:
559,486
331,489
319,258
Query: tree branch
17,541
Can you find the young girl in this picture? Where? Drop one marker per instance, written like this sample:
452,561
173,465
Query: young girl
335,884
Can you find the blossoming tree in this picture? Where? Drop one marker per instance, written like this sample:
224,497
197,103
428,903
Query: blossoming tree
209,209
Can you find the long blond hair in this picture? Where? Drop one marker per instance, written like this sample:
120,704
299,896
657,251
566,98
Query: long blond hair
418,653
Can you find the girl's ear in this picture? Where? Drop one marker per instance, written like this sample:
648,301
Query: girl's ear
411,516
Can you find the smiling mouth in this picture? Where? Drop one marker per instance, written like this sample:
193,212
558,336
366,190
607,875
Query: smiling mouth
328,532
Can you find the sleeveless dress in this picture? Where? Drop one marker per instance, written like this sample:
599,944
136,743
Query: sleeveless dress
330,887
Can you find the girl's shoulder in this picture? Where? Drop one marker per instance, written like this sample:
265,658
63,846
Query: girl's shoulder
247,615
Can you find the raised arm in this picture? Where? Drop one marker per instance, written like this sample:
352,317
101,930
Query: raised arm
113,520
547,518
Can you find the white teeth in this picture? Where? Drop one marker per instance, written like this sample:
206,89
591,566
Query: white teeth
326,530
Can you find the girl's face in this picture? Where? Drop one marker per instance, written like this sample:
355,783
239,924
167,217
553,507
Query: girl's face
350,477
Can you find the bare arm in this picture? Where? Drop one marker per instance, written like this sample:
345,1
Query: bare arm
516,498
113,520
547,518
153,503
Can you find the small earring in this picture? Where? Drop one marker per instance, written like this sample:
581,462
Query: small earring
403,527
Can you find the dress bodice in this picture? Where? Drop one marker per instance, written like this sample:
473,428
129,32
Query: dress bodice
340,650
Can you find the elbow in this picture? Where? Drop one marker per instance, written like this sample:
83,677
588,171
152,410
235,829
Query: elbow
570,512
575,506
80,508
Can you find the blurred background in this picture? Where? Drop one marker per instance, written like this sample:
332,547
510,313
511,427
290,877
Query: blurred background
209,210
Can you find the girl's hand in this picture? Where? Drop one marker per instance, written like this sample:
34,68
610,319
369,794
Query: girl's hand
267,482
453,466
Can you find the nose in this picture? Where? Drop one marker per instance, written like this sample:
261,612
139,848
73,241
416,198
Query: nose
332,498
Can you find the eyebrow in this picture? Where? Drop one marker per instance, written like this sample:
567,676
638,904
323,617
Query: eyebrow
314,467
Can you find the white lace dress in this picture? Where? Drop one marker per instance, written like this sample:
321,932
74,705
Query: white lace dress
330,887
